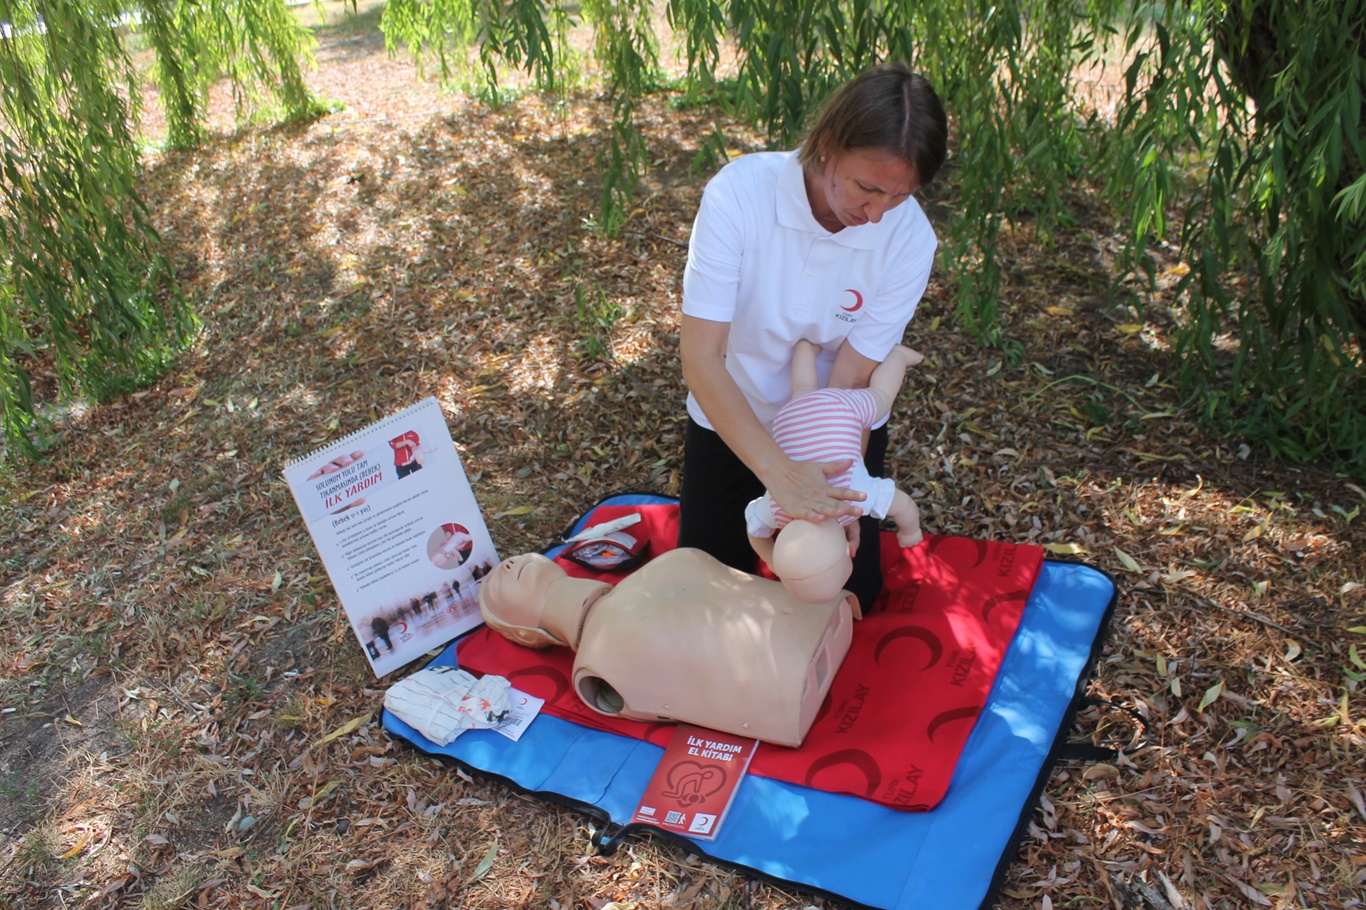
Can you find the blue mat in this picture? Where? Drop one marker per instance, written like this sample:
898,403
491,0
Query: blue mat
950,858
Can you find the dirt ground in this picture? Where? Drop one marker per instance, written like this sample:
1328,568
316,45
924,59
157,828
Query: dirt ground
187,720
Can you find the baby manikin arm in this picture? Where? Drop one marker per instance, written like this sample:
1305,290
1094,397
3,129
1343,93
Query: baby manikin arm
804,377
888,376
763,546
906,514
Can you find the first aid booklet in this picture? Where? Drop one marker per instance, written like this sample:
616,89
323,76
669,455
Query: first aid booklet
695,782
395,521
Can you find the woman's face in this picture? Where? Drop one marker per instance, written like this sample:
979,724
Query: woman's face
859,186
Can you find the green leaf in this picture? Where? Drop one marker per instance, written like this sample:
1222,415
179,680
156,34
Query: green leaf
1211,696
1130,564
486,863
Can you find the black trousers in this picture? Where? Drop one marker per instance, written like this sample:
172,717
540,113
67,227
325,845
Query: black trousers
716,488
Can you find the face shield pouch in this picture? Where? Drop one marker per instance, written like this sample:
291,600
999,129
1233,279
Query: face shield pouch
614,552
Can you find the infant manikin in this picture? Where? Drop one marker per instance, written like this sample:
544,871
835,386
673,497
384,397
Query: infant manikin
814,559
683,638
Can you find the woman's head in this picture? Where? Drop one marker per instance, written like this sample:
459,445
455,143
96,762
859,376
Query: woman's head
886,108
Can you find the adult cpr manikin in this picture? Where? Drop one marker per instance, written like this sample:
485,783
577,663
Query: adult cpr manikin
683,638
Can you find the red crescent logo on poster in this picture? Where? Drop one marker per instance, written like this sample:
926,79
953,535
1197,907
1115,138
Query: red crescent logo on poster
858,301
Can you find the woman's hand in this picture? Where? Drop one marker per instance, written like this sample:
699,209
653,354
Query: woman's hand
802,491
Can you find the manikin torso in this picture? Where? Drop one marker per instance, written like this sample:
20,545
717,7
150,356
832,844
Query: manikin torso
683,638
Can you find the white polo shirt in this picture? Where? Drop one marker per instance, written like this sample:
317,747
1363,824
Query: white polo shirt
759,260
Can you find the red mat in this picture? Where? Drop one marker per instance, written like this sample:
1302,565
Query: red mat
907,696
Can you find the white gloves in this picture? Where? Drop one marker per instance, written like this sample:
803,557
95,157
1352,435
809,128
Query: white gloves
443,702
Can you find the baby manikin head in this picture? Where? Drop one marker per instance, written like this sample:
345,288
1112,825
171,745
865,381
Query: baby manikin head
812,559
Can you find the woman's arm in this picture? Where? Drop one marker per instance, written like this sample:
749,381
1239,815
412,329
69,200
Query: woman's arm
851,370
800,489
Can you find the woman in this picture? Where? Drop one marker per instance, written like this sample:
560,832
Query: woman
823,244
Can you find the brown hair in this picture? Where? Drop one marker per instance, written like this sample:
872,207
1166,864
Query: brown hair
886,107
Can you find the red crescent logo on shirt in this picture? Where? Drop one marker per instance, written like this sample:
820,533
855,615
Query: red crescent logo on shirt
858,301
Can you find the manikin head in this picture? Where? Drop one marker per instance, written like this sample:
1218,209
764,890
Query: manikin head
812,559
529,599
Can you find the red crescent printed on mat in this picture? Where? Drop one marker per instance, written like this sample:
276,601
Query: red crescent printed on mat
1011,597
969,713
556,679
979,545
855,758
858,301
925,636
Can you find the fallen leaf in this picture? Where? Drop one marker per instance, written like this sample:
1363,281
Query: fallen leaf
1211,696
486,863
86,837
350,726
1130,564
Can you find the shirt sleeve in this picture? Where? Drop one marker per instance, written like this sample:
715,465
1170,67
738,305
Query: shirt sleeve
879,490
711,279
863,404
896,298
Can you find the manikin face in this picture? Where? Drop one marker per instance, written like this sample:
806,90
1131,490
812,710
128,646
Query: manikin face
516,590
859,186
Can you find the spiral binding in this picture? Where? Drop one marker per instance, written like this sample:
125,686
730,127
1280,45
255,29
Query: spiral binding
331,447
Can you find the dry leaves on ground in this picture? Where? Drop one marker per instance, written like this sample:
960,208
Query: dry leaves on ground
188,720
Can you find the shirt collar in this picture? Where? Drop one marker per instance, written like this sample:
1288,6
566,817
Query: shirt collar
794,211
